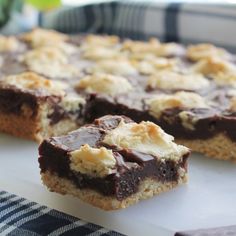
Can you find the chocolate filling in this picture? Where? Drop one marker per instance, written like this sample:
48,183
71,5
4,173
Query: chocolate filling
12,100
209,122
132,166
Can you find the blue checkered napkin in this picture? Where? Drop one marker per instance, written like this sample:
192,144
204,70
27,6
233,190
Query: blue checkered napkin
19,216
181,22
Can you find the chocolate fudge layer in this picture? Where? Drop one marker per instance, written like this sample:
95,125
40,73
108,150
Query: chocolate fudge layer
182,122
113,162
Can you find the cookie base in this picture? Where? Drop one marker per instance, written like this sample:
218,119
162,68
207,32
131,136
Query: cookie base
147,189
218,147
20,126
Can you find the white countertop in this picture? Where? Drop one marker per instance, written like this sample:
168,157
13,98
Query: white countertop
208,200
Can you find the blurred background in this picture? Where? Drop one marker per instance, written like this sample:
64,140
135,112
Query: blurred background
184,21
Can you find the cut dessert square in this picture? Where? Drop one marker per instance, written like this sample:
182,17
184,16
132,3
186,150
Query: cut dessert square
32,106
113,162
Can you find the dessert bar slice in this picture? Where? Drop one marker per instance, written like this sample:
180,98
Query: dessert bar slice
113,162
34,107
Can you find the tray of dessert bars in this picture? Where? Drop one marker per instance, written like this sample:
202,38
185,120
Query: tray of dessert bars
138,137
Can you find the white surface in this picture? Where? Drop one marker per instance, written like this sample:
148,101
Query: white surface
208,200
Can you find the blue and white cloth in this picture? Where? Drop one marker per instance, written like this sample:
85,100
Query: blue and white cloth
19,216
181,22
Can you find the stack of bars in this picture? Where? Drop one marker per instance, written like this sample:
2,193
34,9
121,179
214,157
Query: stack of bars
52,84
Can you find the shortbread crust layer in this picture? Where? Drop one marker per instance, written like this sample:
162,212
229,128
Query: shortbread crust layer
147,189
218,147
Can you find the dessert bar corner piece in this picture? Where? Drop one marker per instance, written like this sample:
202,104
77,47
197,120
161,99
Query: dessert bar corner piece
113,162
34,107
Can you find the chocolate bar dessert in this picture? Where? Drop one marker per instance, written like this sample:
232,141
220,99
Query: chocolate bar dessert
113,162
52,83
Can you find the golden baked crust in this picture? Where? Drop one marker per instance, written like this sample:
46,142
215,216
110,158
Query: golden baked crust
145,137
213,66
104,40
203,51
104,83
49,61
160,103
147,189
151,66
31,81
8,44
172,80
41,37
121,66
218,147
19,126
92,161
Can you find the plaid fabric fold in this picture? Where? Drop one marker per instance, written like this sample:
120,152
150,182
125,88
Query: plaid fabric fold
19,216
180,22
